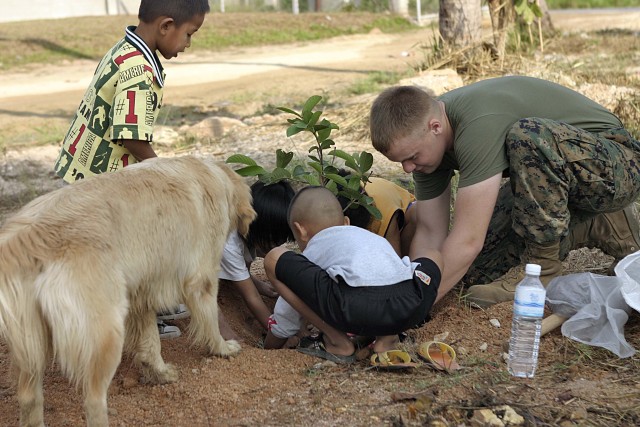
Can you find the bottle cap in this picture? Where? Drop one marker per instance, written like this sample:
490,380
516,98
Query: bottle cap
533,269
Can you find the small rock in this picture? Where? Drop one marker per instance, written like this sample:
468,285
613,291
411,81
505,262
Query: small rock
483,346
505,357
579,414
485,418
195,371
436,82
325,364
510,417
495,322
165,136
441,337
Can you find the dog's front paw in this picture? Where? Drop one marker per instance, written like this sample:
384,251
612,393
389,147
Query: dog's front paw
233,348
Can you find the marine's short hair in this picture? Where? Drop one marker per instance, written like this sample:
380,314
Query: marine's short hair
396,113
271,203
180,10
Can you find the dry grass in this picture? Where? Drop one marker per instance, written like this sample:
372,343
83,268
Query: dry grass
607,57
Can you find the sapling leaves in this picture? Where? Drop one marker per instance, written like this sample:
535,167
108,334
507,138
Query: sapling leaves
321,165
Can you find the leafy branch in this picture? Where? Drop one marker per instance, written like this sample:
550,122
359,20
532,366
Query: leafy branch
322,160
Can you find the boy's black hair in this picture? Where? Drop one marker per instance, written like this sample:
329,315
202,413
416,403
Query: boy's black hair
358,215
180,10
271,203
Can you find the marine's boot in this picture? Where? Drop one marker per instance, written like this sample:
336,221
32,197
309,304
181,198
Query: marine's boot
503,289
616,233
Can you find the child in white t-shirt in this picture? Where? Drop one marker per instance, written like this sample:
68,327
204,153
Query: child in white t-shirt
268,230
347,280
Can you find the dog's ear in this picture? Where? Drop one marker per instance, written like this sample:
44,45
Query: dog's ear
245,214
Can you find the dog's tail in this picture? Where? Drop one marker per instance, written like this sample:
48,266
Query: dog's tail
47,309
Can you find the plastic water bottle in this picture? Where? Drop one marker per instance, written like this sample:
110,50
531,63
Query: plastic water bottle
528,309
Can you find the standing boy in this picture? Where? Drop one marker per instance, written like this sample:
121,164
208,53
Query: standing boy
113,126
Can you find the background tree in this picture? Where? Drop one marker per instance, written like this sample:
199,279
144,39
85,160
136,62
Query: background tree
502,15
460,22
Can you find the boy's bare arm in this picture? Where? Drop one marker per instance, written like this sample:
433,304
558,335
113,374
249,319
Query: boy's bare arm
272,342
226,330
253,300
141,150
264,288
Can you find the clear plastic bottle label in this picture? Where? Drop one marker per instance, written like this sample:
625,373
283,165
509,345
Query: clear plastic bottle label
529,302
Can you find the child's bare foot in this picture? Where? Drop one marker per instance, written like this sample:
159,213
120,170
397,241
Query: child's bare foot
385,343
342,352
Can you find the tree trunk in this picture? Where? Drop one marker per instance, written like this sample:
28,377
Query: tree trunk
502,16
460,22
547,24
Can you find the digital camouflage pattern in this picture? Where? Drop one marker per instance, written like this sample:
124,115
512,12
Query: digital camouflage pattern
560,175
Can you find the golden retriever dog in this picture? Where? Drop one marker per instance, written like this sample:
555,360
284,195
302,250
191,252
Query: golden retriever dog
84,269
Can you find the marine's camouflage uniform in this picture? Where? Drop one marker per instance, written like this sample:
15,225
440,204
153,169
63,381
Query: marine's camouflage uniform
560,175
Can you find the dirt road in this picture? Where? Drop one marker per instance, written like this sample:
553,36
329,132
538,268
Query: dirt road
214,77
257,74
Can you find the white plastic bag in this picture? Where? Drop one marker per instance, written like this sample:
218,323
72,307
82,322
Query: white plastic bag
595,306
628,270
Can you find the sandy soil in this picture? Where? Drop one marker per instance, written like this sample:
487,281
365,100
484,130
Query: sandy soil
575,385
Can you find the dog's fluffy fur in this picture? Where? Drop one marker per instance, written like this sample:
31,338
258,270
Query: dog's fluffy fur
84,269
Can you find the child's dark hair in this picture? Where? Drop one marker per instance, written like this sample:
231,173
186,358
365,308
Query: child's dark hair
358,215
271,203
180,10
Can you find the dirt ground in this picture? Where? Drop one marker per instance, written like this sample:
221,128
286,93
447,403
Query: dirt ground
575,384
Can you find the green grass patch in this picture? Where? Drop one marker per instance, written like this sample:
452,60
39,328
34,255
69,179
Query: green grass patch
374,81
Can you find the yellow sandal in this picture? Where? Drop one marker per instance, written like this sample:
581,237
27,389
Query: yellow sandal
441,356
392,359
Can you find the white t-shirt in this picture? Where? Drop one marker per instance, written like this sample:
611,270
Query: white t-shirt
360,257
236,256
